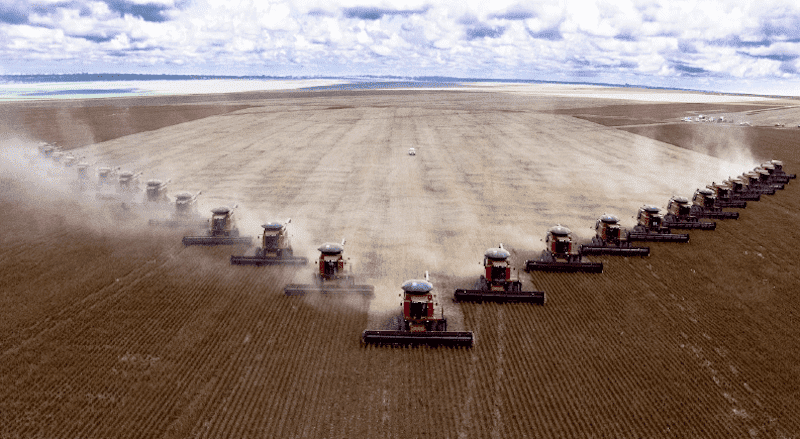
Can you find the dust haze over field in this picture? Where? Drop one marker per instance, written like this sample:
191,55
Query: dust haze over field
225,350
480,177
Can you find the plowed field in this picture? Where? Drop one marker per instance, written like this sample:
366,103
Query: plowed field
109,328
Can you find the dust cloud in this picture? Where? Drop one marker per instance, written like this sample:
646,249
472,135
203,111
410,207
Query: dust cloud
479,178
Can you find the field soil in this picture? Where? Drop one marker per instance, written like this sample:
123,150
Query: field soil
111,328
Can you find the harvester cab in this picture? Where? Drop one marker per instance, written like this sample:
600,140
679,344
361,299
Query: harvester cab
559,243
223,222
499,283
679,215
420,322
333,275
419,307
331,261
609,239
156,191
499,273
561,254
222,230
650,227
276,247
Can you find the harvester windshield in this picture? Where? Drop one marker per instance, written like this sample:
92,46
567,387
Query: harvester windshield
272,234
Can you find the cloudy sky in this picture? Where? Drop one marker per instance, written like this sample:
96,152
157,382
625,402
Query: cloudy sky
744,46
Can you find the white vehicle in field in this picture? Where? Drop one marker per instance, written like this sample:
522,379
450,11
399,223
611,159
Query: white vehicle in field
412,151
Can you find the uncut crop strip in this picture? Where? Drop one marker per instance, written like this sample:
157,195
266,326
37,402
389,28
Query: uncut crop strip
278,402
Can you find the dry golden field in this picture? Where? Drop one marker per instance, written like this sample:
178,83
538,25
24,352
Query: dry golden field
109,328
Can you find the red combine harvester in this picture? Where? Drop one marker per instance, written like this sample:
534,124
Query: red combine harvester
420,325
778,165
276,248
333,276
650,227
679,216
500,283
704,205
562,255
609,239
222,230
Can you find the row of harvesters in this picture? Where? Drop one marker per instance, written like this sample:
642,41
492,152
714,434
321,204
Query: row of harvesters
115,184
563,255
423,320
500,282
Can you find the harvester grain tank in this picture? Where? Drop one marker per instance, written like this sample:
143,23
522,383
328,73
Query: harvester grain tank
610,239
500,283
276,247
333,275
420,323
704,205
562,254
679,216
649,227
222,230
723,194
185,213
